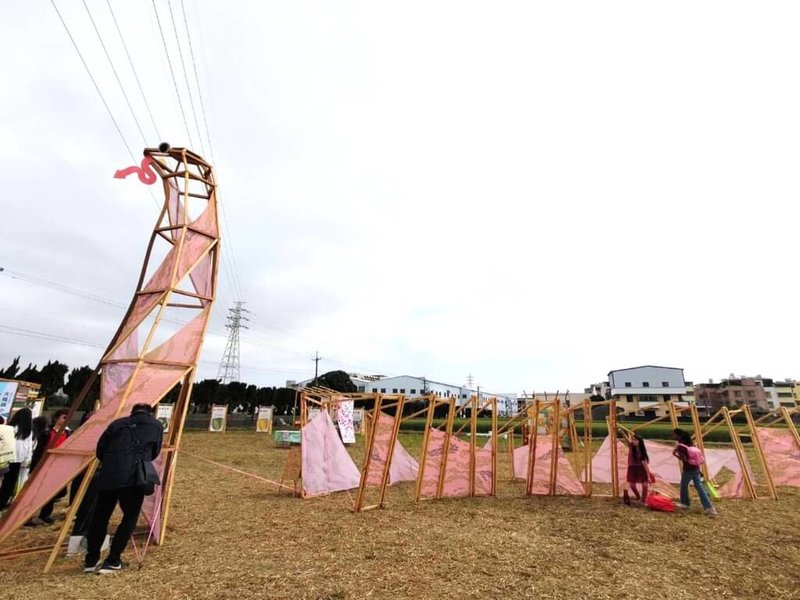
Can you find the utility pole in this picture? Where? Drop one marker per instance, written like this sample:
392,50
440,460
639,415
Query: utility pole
229,365
316,360
470,379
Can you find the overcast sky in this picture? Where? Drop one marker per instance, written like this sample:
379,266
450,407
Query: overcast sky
533,193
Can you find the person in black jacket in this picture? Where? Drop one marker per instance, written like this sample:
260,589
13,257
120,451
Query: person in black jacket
124,444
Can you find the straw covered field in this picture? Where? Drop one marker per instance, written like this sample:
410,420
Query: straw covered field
232,536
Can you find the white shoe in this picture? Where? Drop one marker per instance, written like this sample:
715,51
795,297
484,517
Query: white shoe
682,506
710,512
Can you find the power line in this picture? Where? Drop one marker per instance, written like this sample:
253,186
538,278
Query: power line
172,72
231,258
116,75
197,81
135,74
185,76
96,87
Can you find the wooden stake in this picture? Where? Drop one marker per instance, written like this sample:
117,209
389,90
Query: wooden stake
773,492
744,464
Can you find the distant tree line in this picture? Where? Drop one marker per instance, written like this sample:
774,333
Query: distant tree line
238,396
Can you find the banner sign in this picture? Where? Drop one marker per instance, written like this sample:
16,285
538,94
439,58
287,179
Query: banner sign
219,416
36,408
264,419
164,415
8,390
344,417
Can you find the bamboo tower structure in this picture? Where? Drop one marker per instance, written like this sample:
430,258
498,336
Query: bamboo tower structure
155,348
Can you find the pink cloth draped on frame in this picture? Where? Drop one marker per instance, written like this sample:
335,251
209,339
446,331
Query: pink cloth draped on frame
456,477
666,467
782,454
326,464
403,466
566,481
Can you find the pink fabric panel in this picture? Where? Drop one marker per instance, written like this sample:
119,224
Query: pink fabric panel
185,345
162,277
483,472
142,306
174,207
114,377
403,466
566,481
51,475
201,278
151,502
601,463
326,464
782,455
456,475
380,449
663,464
129,348
734,488
207,221
432,458
194,246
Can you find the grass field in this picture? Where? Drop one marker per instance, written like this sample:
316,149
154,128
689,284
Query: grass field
232,536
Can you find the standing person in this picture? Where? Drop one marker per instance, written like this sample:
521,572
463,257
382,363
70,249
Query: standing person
56,435
691,458
22,422
125,443
41,435
638,467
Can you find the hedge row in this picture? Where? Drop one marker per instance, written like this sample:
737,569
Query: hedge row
659,431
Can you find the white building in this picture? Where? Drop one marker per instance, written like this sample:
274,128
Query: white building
415,387
646,389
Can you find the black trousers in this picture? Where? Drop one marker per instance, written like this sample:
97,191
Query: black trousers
9,483
130,501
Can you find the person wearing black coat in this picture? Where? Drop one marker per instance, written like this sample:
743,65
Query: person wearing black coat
122,447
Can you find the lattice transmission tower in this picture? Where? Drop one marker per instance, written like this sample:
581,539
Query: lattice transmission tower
229,365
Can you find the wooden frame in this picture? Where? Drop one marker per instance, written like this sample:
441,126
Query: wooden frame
169,163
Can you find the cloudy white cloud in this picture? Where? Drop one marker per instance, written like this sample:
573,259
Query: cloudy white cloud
531,193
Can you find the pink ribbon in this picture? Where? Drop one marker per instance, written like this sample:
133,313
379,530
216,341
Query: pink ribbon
146,175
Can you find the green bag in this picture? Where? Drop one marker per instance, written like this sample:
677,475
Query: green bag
711,489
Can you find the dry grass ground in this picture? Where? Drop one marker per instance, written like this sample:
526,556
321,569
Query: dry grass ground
235,537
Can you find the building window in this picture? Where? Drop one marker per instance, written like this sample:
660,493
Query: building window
383,390
463,395
629,398
394,390
402,390
667,397
737,394
645,384
413,391
751,394
665,384
627,384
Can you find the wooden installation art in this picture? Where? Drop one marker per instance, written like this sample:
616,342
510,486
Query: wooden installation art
155,348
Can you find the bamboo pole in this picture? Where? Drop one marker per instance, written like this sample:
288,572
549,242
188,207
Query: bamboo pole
612,431
494,446
787,417
744,464
533,438
698,438
473,432
425,442
390,451
556,445
446,450
368,455
587,446
760,452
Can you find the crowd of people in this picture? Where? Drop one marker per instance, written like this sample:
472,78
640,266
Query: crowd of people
125,452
